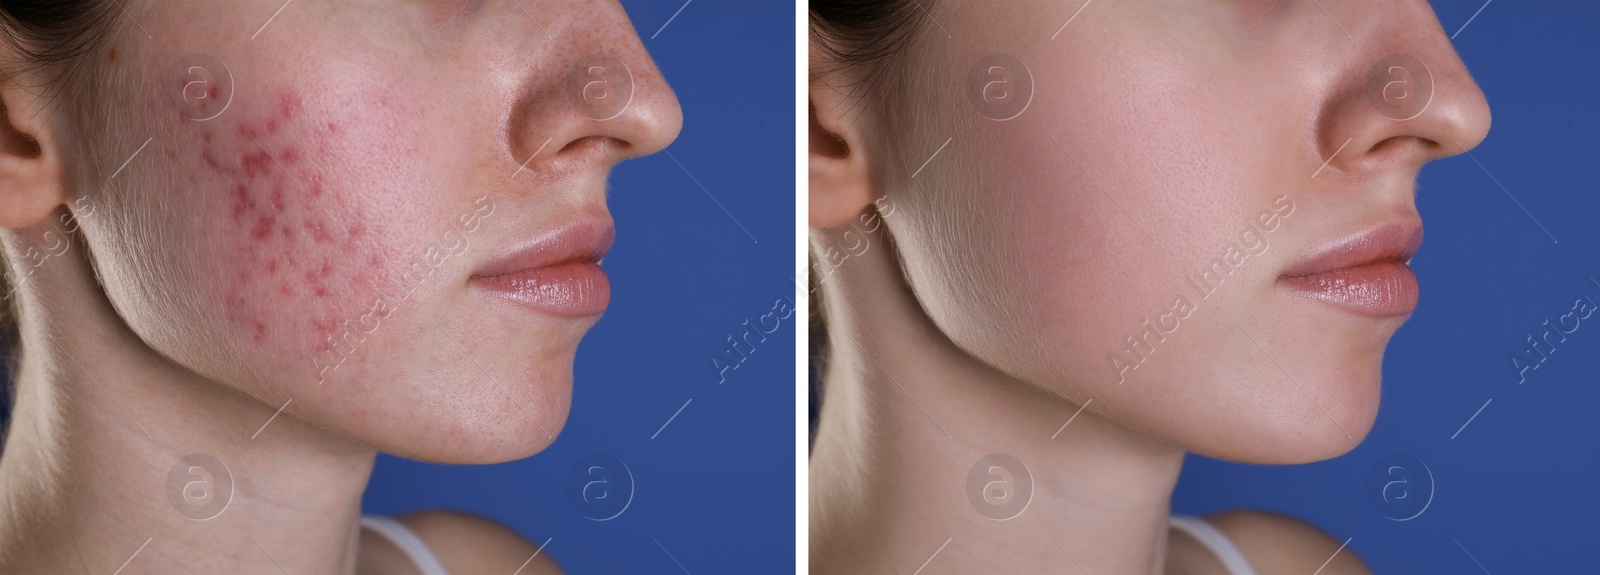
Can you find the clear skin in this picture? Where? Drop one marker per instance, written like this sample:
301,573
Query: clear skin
361,138
1022,273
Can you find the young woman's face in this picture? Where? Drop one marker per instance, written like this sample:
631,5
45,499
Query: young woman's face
1200,167
325,189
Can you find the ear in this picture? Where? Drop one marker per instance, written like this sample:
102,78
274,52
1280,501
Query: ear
31,181
841,180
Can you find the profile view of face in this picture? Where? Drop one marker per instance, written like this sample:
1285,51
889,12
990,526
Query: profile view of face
389,212
1195,214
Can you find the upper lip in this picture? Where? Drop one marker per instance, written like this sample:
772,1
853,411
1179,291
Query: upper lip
1392,240
583,240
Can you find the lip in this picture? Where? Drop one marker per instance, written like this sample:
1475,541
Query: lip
1365,273
557,272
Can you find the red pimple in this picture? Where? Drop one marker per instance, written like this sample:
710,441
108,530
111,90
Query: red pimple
272,266
255,164
263,227
287,106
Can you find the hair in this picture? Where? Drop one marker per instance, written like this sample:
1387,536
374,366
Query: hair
867,37
52,37
864,34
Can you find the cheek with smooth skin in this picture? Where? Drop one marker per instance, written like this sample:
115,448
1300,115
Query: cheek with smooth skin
1046,246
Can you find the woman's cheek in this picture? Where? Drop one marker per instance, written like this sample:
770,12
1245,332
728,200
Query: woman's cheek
284,241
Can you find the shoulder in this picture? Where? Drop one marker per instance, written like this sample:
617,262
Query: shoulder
467,543
1275,543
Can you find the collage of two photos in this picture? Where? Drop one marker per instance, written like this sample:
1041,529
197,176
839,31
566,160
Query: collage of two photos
460,287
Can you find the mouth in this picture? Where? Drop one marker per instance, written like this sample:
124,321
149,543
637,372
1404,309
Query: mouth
1366,273
557,272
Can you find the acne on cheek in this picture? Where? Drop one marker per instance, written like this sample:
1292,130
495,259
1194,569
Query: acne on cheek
293,257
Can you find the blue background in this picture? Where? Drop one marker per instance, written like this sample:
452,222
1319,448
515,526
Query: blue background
715,489
1516,490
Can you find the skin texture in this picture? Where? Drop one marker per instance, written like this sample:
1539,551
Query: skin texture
270,265
1026,251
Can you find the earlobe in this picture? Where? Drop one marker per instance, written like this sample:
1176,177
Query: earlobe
841,178
31,182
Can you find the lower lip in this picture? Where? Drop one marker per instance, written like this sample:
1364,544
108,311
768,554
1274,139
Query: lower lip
574,288
1376,289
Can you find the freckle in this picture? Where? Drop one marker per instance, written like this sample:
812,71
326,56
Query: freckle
112,55
272,267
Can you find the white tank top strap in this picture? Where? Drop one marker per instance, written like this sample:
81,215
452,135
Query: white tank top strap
408,542
1219,544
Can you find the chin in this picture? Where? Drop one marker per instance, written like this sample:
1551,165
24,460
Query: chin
1293,430
475,419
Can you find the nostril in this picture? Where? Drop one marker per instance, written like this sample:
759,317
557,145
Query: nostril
588,145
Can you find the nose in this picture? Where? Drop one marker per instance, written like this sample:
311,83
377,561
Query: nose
1405,98
593,96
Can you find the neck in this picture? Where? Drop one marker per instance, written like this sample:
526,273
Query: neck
907,416
101,421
